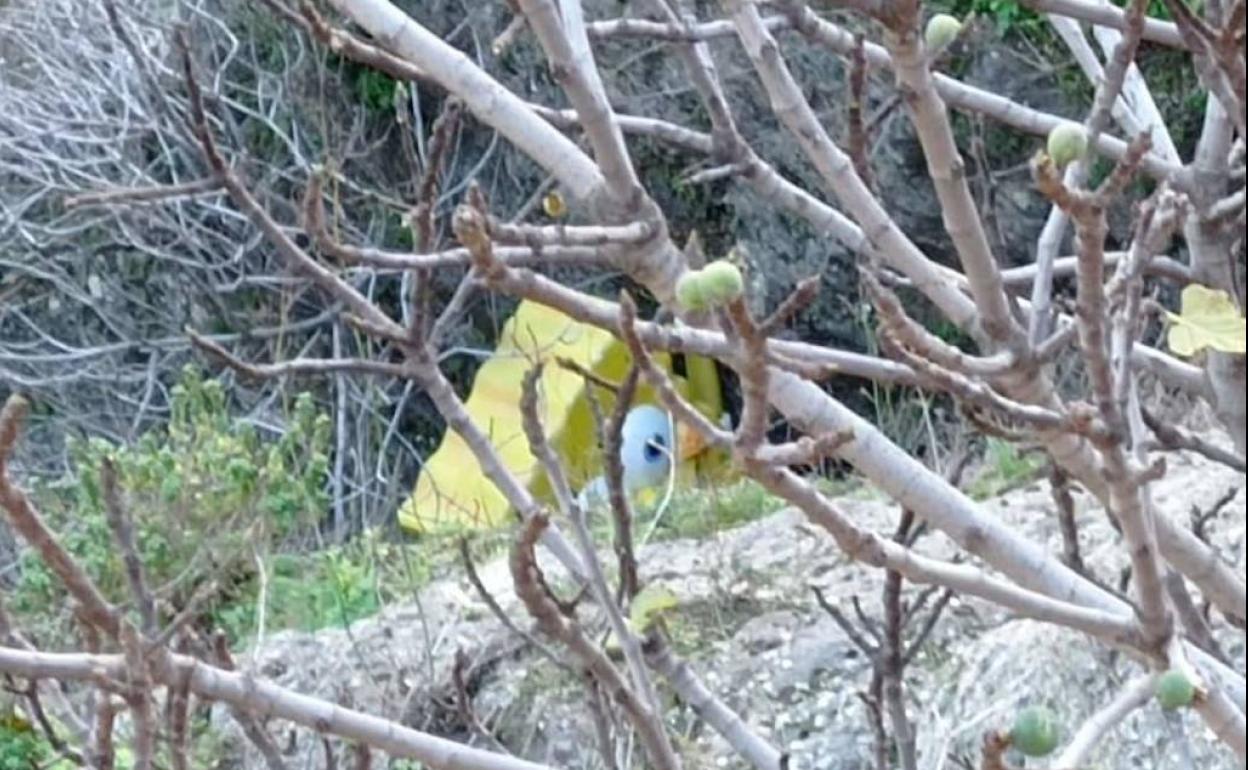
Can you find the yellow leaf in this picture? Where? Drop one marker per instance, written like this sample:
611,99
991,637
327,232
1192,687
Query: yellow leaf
15,721
1209,320
648,605
646,498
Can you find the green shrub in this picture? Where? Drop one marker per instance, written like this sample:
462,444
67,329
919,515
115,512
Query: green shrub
207,495
372,89
22,747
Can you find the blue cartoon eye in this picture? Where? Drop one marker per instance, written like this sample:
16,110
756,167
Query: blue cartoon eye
646,447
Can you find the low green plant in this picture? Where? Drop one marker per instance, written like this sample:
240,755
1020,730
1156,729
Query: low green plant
699,511
372,89
22,747
1005,468
304,592
375,90
338,585
332,587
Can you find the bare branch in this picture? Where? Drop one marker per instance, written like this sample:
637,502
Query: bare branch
247,721
867,648
131,195
613,470
262,697
529,588
470,568
753,748
859,139
1172,437
1094,729
24,517
538,236
872,549
302,366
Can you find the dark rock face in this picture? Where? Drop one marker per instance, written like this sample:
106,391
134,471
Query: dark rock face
142,275
642,78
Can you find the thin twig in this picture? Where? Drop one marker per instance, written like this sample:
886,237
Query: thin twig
859,139
307,367
122,525
851,631
529,588
422,216
128,195
1059,487
1175,438
806,291
463,703
470,568
613,469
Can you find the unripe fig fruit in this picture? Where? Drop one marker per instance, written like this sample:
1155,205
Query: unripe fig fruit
1067,142
722,282
690,292
1175,690
942,29
554,205
1035,731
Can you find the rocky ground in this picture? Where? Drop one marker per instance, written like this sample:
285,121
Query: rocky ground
750,624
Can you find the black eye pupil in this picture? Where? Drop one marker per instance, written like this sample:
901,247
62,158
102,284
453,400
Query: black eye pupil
653,449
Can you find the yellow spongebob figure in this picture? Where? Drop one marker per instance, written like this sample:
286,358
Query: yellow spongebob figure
453,494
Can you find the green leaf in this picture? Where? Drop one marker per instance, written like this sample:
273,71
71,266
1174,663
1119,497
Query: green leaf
170,488
1209,320
649,605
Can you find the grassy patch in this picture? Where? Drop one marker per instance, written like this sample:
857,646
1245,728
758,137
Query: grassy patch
334,587
695,628
208,496
1005,468
700,511
697,512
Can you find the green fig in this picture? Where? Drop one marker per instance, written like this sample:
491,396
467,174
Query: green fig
1174,690
722,282
690,292
1067,142
942,29
1035,731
